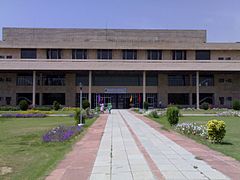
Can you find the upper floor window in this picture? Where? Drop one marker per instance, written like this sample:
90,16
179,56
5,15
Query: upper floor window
104,54
178,80
53,80
203,55
79,54
24,79
28,53
179,55
129,54
53,53
154,54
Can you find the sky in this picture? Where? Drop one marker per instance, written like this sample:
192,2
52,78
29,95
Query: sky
221,18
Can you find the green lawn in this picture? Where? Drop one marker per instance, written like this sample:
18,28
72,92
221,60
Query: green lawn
44,112
22,149
231,142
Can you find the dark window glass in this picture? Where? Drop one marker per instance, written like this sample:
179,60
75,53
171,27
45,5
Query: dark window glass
203,55
154,54
151,79
179,55
53,53
24,79
53,80
228,58
229,80
28,53
49,98
117,79
8,100
9,57
83,78
178,98
221,100
79,54
2,57
77,99
27,97
129,54
104,54
221,58
229,98
221,80
178,80
203,97
204,80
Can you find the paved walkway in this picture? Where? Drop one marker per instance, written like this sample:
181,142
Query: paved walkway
119,156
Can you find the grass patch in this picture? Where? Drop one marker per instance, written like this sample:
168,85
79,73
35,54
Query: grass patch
231,142
22,148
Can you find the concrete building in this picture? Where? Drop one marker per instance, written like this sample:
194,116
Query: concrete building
119,66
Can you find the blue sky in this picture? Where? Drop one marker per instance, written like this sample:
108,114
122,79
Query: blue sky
220,17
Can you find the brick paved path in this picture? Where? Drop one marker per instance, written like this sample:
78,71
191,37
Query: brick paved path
132,147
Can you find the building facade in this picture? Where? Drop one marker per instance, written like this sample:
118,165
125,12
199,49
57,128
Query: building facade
124,67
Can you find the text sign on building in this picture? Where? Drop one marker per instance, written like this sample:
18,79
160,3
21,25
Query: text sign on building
115,90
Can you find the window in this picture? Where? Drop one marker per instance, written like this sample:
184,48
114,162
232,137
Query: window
221,80
79,54
204,80
49,98
54,54
2,57
53,80
203,55
220,58
179,55
129,54
9,57
221,100
203,97
229,80
178,98
229,98
28,53
8,100
228,58
178,80
151,79
8,79
104,54
1,98
24,80
83,78
1,79
154,54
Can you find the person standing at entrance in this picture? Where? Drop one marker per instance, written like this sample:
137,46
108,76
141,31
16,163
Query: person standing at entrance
109,108
102,108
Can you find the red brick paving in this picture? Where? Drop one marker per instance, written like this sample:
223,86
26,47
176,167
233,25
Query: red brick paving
79,162
217,160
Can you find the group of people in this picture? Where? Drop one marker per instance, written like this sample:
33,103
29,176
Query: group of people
109,106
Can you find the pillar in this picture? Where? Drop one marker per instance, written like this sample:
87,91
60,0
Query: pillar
144,86
34,90
197,89
90,88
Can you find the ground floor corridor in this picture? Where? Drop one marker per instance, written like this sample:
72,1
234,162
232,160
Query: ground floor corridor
131,149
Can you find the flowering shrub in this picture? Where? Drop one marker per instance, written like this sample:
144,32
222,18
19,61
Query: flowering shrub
229,113
216,130
61,133
192,128
39,115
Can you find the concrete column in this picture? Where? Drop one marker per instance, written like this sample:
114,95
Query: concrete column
90,88
40,99
197,89
34,90
144,86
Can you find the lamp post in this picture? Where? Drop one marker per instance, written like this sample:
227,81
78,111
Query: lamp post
81,86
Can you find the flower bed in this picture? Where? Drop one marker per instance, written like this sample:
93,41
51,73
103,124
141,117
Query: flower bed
39,115
229,113
192,129
61,133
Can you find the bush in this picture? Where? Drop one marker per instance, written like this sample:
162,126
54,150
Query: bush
23,105
9,108
77,116
145,105
205,106
172,115
43,108
236,104
216,130
154,114
56,105
85,104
